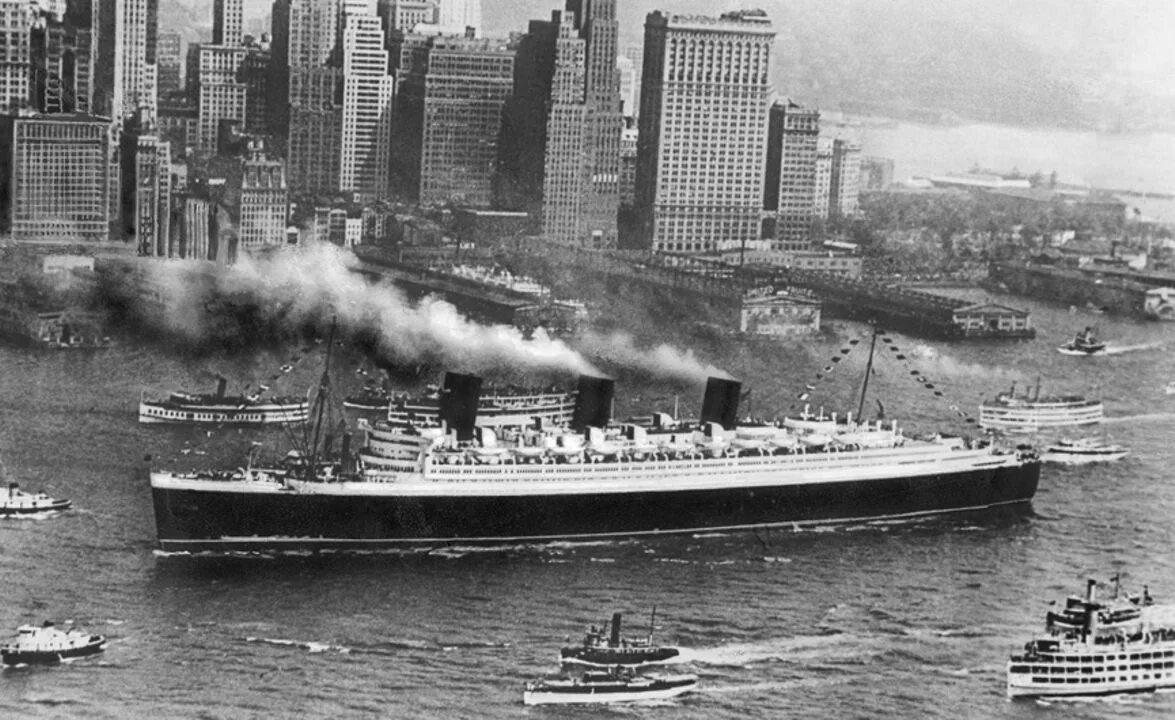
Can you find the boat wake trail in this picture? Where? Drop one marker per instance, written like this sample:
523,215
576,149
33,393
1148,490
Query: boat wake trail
310,646
1145,417
806,648
1121,349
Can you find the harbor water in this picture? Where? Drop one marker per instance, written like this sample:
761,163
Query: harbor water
901,620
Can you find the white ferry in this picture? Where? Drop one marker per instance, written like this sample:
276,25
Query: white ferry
1082,451
1092,648
606,686
47,644
509,407
183,408
1014,413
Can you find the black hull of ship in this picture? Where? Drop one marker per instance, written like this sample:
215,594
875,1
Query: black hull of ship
226,521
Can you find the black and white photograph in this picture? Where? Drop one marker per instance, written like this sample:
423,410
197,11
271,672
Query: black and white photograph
500,359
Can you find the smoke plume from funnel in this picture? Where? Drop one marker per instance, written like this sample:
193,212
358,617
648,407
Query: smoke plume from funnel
310,284
663,361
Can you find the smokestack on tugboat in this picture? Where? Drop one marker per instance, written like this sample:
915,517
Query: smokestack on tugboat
460,395
593,403
221,385
720,403
614,641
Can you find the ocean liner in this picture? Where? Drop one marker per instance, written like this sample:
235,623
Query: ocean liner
461,483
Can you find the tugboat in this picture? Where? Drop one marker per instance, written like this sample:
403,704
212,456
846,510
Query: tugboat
1084,450
613,650
18,502
1083,343
1092,648
48,645
614,685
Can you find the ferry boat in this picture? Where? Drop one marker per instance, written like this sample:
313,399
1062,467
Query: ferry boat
610,650
183,408
18,502
509,407
1092,648
461,482
47,644
370,399
1014,413
606,686
1082,451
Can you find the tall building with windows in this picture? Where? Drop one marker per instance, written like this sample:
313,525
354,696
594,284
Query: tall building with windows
62,64
169,60
790,183
367,104
222,94
567,102
450,94
705,97
59,184
228,22
308,89
823,177
124,32
152,196
17,18
264,200
405,15
457,15
845,181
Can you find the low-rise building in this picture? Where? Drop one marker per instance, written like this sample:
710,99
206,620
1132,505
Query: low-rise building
991,319
779,314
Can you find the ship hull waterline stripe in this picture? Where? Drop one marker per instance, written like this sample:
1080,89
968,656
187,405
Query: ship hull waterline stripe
226,543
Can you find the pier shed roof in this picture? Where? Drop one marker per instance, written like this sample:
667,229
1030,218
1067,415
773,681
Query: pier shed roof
989,310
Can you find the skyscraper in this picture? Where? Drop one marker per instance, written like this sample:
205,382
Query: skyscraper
264,200
62,65
449,97
123,79
567,102
152,208
823,177
169,60
597,26
705,94
59,187
404,15
845,182
457,15
367,104
791,173
222,95
313,92
16,23
228,22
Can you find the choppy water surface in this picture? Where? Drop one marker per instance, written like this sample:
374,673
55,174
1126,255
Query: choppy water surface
898,620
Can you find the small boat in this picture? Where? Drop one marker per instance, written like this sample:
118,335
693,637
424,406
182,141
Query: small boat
1083,343
613,650
606,686
1081,451
18,502
1095,648
47,645
370,398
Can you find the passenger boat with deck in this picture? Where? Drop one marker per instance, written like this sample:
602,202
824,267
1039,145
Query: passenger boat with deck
1092,648
18,502
1025,413
1082,451
47,645
183,408
463,482
606,686
505,407
609,649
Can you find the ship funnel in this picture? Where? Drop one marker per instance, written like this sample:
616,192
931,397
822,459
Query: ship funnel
1089,590
345,450
221,384
720,403
459,398
615,639
593,403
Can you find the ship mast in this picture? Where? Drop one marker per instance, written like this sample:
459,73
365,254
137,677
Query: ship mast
868,372
320,401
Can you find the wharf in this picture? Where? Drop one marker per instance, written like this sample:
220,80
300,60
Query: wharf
1114,290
